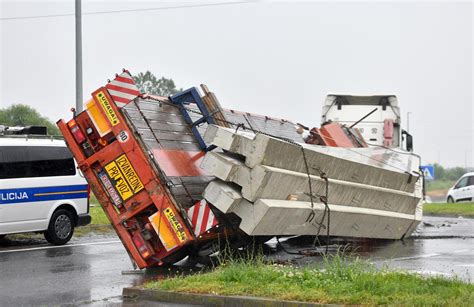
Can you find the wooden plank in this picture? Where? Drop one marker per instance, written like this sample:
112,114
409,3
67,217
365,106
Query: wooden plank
196,179
169,136
185,190
156,116
154,106
152,144
187,202
169,127
212,104
191,180
164,117
180,145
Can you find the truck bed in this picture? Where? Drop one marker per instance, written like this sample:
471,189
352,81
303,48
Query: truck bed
164,133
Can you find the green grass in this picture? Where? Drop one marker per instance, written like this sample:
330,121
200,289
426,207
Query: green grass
93,199
463,209
99,225
98,216
97,213
438,185
338,280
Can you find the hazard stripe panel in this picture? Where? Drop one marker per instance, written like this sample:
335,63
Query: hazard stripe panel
201,217
123,89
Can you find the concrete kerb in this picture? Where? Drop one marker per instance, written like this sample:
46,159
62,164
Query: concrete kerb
448,215
139,293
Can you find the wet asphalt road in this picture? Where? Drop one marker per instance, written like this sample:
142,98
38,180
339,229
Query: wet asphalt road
93,269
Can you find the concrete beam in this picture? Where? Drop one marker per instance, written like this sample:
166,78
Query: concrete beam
373,166
280,217
275,183
222,195
226,168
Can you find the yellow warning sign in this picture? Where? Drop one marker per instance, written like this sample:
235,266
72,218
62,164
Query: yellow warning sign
178,228
164,232
125,178
129,172
99,121
119,181
104,102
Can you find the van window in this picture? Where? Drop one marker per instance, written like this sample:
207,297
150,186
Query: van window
462,183
471,181
35,161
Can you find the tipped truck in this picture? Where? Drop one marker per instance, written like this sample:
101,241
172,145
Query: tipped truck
175,175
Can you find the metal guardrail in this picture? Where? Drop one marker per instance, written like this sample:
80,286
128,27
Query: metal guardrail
31,136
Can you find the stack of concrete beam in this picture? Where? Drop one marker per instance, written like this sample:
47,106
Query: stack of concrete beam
372,192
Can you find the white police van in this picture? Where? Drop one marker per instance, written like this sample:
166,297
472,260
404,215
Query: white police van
41,190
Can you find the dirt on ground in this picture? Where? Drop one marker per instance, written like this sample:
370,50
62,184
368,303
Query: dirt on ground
437,195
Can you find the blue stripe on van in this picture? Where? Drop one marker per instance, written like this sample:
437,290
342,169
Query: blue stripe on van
23,195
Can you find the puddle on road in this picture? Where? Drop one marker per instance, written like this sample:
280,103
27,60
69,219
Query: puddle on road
38,240
21,240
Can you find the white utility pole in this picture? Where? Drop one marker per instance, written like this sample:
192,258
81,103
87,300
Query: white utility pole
408,122
78,57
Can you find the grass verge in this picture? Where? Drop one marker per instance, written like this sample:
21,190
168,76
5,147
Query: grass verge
337,280
98,215
99,224
93,200
439,185
458,209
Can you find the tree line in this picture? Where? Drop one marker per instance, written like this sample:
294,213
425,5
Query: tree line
448,174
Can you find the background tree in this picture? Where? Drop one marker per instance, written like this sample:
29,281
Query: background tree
24,115
449,174
150,84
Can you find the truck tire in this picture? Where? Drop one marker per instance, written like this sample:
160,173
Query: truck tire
450,199
61,227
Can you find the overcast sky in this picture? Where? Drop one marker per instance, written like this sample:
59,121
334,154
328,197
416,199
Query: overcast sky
269,57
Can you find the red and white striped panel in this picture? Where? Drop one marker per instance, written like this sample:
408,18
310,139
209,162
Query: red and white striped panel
201,217
123,89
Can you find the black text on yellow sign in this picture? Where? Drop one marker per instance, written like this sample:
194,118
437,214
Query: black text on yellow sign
178,228
129,172
104,102
126,181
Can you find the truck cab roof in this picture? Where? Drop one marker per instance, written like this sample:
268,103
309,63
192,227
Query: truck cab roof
376,100
24,140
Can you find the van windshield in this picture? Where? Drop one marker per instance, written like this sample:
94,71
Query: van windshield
35,161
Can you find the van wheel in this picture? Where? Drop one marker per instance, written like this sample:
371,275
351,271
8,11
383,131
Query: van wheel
61,228
450,199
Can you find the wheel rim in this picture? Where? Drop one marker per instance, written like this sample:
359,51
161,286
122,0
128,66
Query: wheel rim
62,226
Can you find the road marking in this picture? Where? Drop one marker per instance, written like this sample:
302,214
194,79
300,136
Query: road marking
430,273
414,257
62,246
427,255
460,251
466,265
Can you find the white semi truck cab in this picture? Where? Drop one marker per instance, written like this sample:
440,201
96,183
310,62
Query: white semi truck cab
382,127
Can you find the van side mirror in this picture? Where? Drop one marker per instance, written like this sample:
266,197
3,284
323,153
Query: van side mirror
408,140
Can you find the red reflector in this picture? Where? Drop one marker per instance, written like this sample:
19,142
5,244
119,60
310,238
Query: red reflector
141,246
76,132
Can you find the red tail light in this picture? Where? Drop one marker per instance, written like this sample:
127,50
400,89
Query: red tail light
88,192
142,247
76,132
